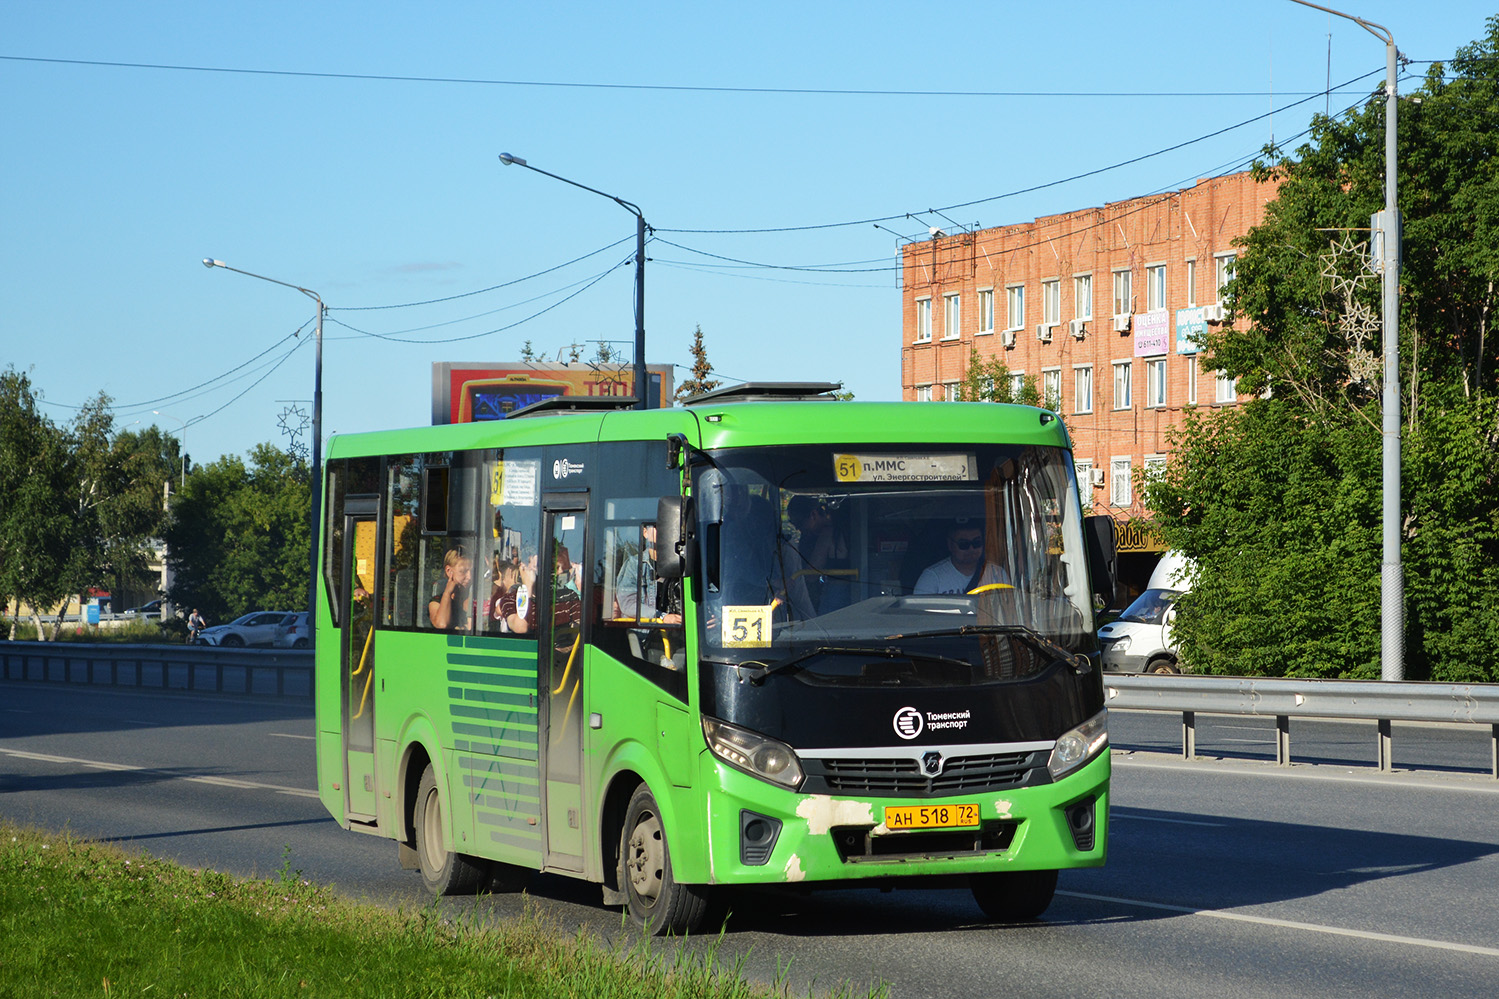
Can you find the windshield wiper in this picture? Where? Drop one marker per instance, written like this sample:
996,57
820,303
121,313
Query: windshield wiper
1078,661
759,671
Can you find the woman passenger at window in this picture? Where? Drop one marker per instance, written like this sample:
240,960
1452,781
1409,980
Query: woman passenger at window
448,607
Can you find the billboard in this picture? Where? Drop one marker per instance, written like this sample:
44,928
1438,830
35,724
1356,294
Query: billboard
469,392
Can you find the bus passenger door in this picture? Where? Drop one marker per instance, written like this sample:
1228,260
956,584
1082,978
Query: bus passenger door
560,650
357,657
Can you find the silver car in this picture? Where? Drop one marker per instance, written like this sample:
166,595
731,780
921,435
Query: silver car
254,628
294,631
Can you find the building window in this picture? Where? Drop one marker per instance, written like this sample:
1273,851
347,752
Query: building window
1192,283
1155,383
1228,389
1155,467
1051,302
1015,301
1082,389
1121,491
923,320
986,310
923,393
1123,300
950,391
1224,264
1082,296
1017,385
1085,479
1192,380
1155,287
952,316
1051,389
1122,376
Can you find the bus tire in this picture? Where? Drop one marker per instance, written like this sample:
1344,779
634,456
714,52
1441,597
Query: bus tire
1013,896
656,901
443,871
1163,666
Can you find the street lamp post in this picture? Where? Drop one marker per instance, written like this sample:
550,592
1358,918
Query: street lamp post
642,395
180,420
1386,231
317,425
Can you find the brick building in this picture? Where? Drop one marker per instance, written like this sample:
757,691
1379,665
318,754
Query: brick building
1100,306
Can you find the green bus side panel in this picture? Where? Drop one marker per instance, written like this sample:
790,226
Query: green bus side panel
491,700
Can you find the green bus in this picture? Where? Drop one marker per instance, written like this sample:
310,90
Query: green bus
766,638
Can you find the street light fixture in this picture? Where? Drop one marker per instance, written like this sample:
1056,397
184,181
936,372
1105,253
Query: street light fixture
1385,228
184,423
641,385
317,424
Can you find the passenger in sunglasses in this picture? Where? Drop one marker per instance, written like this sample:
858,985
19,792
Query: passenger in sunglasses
965,567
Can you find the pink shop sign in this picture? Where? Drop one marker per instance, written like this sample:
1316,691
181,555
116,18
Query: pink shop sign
1152,332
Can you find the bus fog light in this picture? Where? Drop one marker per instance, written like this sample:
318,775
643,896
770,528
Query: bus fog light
755,754
1079,745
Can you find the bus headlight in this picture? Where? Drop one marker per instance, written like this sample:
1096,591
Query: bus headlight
755,754
1079,745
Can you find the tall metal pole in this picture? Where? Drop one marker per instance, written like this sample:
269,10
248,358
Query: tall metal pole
182,443
1391,572
1385,228
317,427
642,388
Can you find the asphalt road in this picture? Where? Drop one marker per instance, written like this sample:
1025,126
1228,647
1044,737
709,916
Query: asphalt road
1227,878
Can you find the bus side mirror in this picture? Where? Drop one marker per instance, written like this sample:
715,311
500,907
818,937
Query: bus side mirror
1103,558
674,548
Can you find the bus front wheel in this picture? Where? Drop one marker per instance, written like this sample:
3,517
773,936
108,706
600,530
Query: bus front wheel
1013,896
443,871
657,902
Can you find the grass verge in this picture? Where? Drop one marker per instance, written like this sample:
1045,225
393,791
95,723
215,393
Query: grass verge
87,919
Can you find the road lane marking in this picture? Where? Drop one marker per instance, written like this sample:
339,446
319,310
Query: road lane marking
248,785
1291,924
1114,813
1303,771
288,735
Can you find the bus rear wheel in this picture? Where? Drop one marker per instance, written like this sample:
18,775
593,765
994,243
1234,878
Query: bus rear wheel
444,872
656,901
1014,896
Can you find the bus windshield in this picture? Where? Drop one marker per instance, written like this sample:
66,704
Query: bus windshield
810,549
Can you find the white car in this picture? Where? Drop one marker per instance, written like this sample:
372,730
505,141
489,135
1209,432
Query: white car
294,632
254,628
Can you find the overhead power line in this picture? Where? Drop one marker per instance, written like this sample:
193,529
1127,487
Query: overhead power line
1028,190
666,87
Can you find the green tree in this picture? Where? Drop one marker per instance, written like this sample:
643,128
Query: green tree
1278,500
700,381
117,497
37,529
238,537
988,380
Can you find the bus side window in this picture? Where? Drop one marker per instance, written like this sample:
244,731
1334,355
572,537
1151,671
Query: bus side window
511,515
403,479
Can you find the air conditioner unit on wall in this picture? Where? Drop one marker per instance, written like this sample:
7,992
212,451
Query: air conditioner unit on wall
1078,327
1213,313
1007,337
1098,477
1043,332
1121,322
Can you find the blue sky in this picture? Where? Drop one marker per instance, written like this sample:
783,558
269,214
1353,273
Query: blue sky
116,181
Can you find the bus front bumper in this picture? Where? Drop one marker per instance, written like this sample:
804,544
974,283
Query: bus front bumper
759,833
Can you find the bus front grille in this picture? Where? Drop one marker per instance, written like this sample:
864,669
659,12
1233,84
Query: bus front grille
897,777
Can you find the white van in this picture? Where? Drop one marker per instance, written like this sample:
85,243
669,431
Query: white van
1140,640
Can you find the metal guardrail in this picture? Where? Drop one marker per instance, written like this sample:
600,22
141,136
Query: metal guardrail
1359,700
193,668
